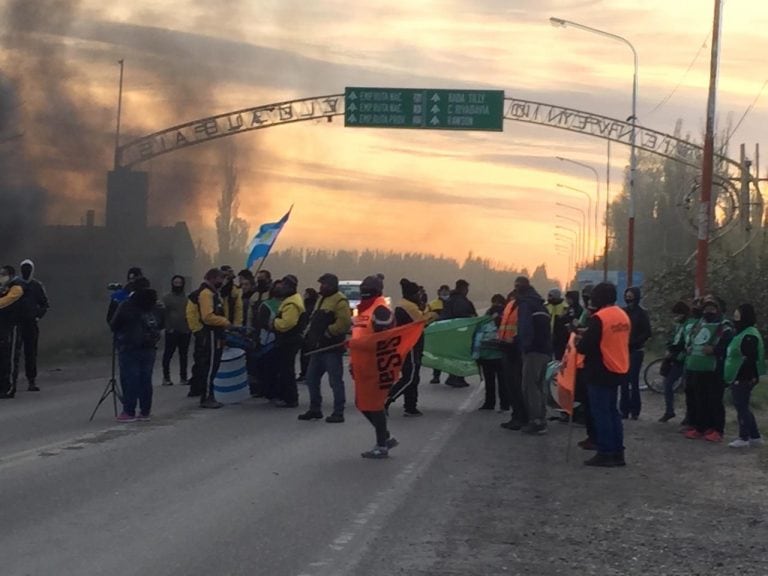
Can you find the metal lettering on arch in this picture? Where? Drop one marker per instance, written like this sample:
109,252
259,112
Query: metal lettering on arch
207,129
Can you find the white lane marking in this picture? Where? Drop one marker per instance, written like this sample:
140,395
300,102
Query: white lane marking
385,502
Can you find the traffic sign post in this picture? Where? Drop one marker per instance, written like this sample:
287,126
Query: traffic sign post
431,109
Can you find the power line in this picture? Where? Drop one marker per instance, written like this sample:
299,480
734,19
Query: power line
747,111
685,75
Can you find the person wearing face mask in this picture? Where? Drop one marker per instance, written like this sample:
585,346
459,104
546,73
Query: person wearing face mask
744,364
556,308
231,297
205,315
34,306
407,311
630,402
696,314
675,359
11,294
458,305
177,332
328,326
288,325
311,296
434,310
707,412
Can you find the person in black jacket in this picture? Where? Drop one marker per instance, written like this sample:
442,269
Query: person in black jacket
137,324
34,305
744,364
310,301
630,402
458,305
11,295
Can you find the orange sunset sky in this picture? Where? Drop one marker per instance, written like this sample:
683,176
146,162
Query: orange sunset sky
431,191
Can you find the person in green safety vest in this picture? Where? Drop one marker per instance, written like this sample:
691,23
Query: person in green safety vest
744,364
673,365
707,338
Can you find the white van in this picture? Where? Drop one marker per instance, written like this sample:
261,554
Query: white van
351,289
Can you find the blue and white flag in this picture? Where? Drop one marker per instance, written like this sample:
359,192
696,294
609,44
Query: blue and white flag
265,238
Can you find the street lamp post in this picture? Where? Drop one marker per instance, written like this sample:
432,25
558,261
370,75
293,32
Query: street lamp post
589,209
585,226
566,251
597,197
559,22
579,234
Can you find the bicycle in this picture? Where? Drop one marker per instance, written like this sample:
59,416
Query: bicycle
655,381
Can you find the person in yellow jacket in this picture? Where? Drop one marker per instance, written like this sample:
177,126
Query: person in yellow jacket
11,294
433,313
231,297
288,325
206,319
558,321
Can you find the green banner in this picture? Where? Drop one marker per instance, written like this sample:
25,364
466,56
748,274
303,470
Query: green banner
448,346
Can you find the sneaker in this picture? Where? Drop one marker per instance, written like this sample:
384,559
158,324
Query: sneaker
392,442
125,418
413,412
167,382
603,460
335,418
191,394
32,387
284,404
739,443
144,418
587,444
512,424
667,417
755,442
535,429
311,415
435,381
6,395
183,382
376,453
692,434
211,403
685,422
713,436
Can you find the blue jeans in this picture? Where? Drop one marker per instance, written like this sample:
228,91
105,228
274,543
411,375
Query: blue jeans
136,365
675,373
741,393
607,420
630,403
330,363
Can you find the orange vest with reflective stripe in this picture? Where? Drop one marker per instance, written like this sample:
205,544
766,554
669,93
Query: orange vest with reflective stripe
614,343
363,322
508,326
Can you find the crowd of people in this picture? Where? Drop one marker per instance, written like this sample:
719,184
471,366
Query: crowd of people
275,324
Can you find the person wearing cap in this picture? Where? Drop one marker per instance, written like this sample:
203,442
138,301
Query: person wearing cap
605,346
122,292
433,313
373,315
630,401
328,327
289,325
708,337
556,308
458,305
407,311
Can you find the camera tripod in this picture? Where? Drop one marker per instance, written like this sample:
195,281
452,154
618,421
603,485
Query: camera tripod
111,389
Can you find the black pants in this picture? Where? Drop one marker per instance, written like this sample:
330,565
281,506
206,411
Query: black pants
176,341
286,372
28,336
207,357
708,408
581,396
304,361
8,335
379,421
408,385
512,377
494,377
689,396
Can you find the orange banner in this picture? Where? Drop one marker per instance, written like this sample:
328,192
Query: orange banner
376,361
566,376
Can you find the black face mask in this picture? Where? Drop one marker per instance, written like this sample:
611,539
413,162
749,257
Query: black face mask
710,316
177,289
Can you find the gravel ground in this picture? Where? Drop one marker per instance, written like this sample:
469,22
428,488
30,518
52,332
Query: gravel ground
502,503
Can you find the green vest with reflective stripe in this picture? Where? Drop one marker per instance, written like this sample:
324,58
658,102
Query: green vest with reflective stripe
702,334
734,358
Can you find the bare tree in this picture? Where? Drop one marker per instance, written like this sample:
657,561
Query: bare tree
231,230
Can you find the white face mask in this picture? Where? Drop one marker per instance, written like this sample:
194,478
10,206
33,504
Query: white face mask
4,279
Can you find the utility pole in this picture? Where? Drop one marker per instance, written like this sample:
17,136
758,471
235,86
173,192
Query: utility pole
707,168
119,112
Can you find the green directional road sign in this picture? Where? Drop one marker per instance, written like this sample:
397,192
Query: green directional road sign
430,109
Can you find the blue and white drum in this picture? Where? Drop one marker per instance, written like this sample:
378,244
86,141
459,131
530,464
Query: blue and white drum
231,383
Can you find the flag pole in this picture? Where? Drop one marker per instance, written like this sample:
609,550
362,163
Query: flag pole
570,437
261,264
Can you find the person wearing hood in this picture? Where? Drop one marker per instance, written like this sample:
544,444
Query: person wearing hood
490,355
534,336
573,309
434,311
557,310
11,295
288,325
177,332
675,359
34,305
328,326
630,402
137,324
373,315
605,346
744,364
458,305
407,311
708,336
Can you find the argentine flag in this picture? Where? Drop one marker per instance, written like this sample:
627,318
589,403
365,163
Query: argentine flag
265,238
